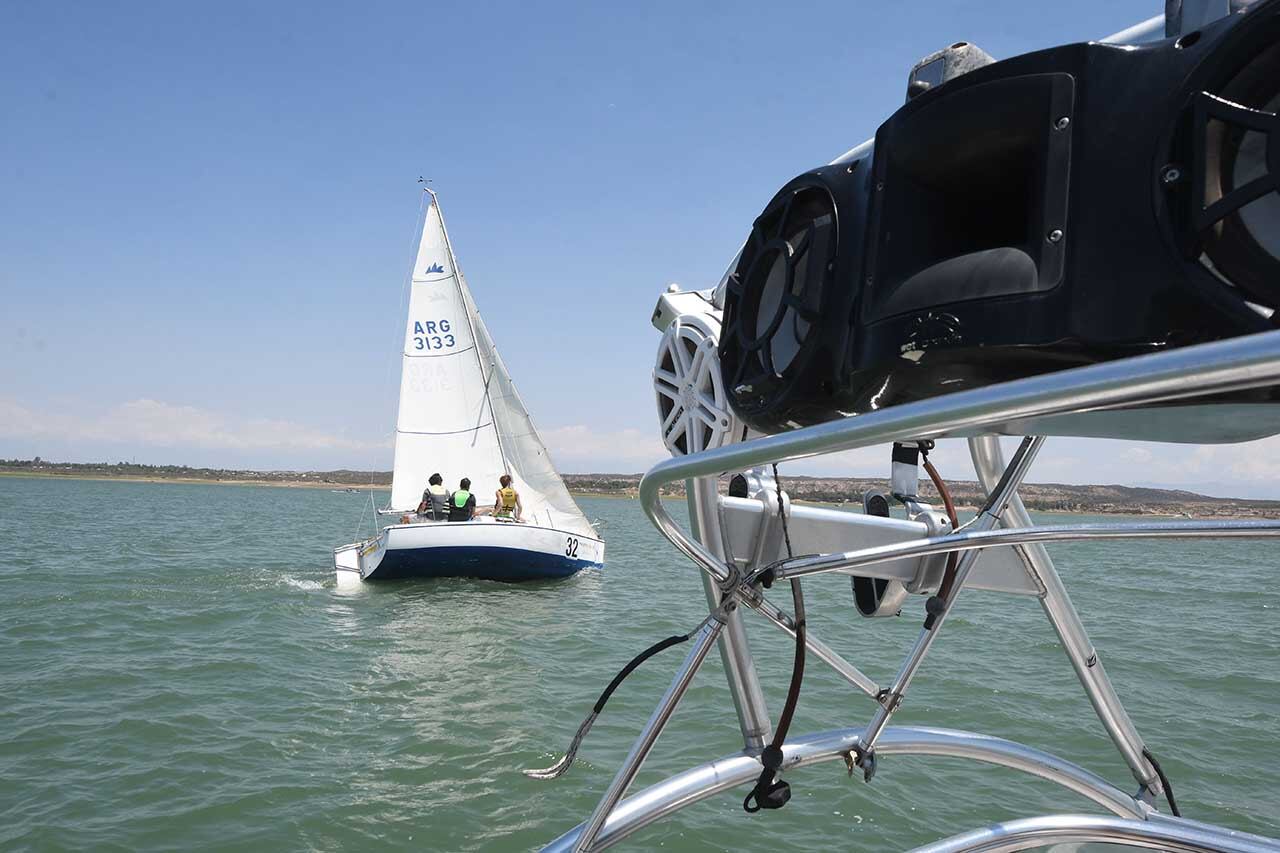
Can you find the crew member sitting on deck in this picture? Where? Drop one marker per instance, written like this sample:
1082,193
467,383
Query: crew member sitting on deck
462,505
435,499
506,505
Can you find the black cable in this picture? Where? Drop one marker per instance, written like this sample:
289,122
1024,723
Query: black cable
1164,780
797,600
777,487
797,667
635,662
938,602
769,793
566,761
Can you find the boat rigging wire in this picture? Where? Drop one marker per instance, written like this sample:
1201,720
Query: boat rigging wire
374,506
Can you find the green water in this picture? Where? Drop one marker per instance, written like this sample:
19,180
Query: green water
178,671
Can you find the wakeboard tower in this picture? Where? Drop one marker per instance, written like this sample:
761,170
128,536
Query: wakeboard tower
1082,241
460,415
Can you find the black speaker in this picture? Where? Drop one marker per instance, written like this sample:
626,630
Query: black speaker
787,303
1233,224
1057,209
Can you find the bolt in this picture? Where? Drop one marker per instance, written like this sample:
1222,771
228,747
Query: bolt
880,186
1170,175
1055,236
1062,123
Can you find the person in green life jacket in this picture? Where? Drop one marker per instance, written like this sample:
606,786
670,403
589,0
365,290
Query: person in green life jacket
435,499
506,504
462,504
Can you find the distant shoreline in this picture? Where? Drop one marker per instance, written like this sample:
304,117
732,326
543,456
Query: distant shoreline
827,491
331,485
195,481
342,487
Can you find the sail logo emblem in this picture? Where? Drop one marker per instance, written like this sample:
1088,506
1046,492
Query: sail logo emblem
433,268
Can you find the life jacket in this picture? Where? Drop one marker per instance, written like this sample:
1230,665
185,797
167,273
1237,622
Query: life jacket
437,498
509,498
458,510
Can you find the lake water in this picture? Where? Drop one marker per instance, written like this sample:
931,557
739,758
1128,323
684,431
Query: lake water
178,671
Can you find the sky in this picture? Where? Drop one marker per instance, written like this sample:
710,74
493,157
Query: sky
208,209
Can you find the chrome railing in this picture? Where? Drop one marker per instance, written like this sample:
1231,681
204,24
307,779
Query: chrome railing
1187,373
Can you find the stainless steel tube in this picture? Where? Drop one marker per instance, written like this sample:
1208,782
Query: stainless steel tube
988,462
1245,362
999,499
970,540
818,649
715,777
1183,836
1152,29
735,653
649,736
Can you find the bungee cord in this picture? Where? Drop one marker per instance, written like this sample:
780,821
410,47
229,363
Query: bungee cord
562,766
769,791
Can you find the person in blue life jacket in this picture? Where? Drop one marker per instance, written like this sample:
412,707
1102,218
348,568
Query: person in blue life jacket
435,499
506,503
462,504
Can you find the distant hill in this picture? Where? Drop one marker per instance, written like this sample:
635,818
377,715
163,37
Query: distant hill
1044,497
134,471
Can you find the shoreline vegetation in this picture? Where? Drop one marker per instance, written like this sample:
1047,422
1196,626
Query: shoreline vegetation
1040,497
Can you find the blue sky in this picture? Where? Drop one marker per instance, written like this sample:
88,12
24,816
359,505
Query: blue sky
208,208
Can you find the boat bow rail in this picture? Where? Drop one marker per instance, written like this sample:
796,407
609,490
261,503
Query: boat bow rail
735,543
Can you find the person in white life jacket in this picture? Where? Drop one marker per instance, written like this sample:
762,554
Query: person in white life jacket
435,499
462,504
506,504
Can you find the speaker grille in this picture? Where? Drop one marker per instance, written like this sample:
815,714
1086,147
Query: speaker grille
1236,209
776,293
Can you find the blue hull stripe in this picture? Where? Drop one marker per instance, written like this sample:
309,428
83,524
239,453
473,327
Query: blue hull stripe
499,564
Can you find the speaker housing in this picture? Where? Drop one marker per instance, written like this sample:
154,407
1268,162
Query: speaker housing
1052,210
788,302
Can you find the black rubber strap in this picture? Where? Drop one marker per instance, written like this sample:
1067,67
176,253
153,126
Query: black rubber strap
769,793
635,662
1164,780
906,454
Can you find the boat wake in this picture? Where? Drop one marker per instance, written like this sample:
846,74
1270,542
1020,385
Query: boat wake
303,584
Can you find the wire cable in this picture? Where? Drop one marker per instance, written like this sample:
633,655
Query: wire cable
953,559
770,793
1164,780
566,761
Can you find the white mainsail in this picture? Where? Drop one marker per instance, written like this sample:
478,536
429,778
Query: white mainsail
460,414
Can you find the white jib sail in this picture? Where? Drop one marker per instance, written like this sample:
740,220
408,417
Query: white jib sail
460,414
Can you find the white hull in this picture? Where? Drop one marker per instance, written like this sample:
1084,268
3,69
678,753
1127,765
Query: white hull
482,548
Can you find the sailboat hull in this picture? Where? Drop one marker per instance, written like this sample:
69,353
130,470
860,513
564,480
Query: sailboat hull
482,549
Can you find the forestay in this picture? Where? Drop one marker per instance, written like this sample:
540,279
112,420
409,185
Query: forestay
460,413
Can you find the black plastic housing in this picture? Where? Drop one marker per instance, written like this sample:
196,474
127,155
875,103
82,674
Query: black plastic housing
1039,213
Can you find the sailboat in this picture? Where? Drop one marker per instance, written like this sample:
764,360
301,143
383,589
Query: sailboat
460,415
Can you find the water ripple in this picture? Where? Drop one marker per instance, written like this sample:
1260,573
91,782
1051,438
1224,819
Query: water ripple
180,671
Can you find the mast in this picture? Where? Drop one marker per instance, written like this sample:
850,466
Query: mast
457,281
